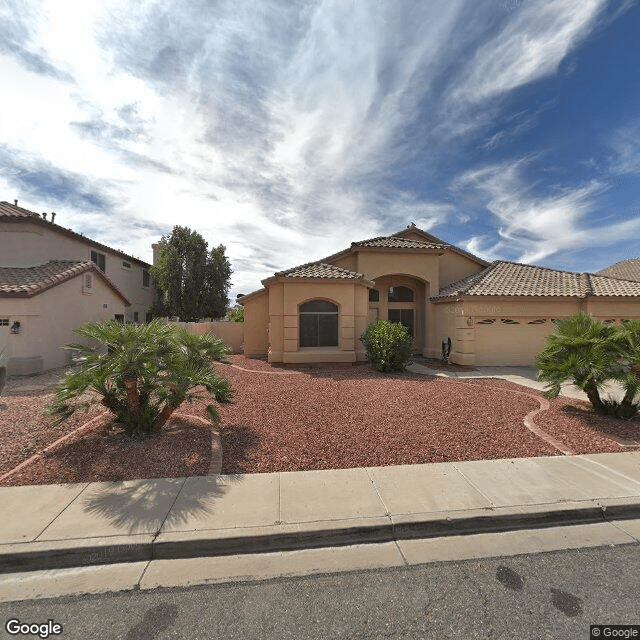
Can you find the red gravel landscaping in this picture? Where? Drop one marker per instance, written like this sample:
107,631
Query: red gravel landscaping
290,419
340,417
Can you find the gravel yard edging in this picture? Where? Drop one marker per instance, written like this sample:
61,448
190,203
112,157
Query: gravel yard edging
80,431
529,422
215,468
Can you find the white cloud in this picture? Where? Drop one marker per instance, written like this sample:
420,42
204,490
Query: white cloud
276,128
530,47
626,146
535,227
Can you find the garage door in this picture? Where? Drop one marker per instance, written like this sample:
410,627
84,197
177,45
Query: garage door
511,341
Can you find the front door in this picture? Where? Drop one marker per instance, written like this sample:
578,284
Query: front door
404,317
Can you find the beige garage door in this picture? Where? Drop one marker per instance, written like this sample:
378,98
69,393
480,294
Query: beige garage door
511,341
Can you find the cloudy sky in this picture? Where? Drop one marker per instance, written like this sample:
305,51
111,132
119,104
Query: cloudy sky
285,130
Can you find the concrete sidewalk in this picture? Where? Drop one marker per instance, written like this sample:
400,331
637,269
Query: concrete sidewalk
83,525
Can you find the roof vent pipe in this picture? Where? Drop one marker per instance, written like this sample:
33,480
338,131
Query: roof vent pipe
15,202
53,216
44,215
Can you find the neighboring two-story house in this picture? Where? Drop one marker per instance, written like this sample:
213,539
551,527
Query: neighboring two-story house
53,279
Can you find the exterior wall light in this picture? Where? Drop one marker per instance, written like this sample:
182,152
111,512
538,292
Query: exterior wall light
470,322
15,327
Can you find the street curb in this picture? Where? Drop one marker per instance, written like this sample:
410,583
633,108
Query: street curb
58,554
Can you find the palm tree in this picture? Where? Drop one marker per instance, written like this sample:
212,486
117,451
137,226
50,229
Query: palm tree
584,351
628,345
142,373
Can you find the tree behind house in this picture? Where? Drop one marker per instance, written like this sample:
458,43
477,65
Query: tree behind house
194,282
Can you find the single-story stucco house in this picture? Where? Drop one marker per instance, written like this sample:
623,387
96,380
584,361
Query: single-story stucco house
495,313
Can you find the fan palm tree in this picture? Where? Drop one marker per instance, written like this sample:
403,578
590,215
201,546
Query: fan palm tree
628,345
142,373
584,351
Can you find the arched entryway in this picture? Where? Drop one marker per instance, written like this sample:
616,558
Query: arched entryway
400,298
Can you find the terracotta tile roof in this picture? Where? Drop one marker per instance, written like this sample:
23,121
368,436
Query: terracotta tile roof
25,282
503,278
319,270
625,269
12,213
431,238
603,286
392,242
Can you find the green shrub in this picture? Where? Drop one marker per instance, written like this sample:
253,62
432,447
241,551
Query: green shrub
142,373
590,353
388,345
237,315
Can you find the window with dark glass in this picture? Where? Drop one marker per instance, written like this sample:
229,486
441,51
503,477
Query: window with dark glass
374,295
318,324
99,259
404,317
400,294
146,278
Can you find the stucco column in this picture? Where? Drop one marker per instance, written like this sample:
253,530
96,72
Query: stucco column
463,350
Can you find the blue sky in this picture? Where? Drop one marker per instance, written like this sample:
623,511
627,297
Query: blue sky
286,130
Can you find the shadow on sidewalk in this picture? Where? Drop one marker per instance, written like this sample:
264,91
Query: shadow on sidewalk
138,506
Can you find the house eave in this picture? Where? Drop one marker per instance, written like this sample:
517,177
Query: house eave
35,219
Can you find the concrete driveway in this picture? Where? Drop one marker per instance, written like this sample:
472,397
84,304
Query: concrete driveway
525,376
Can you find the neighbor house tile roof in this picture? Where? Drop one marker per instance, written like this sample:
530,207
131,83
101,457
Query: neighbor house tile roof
25,282
625,269
12,213
503,278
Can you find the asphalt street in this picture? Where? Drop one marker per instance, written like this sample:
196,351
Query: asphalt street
551,595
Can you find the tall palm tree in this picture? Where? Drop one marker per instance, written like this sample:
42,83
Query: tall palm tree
584,351
142,373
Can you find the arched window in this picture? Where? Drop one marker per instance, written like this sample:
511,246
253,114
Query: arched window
318,324
400,294
374,295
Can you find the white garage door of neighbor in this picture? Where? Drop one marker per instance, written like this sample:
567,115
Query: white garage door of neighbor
510,344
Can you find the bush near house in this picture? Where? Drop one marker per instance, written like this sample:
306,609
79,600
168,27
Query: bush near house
142,373
589,353
388,345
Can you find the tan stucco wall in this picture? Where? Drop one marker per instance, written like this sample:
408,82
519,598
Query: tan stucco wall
418,265
25,244
475,343
619,308
346,262
284,301
47,322
256,325
454,267
231,333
